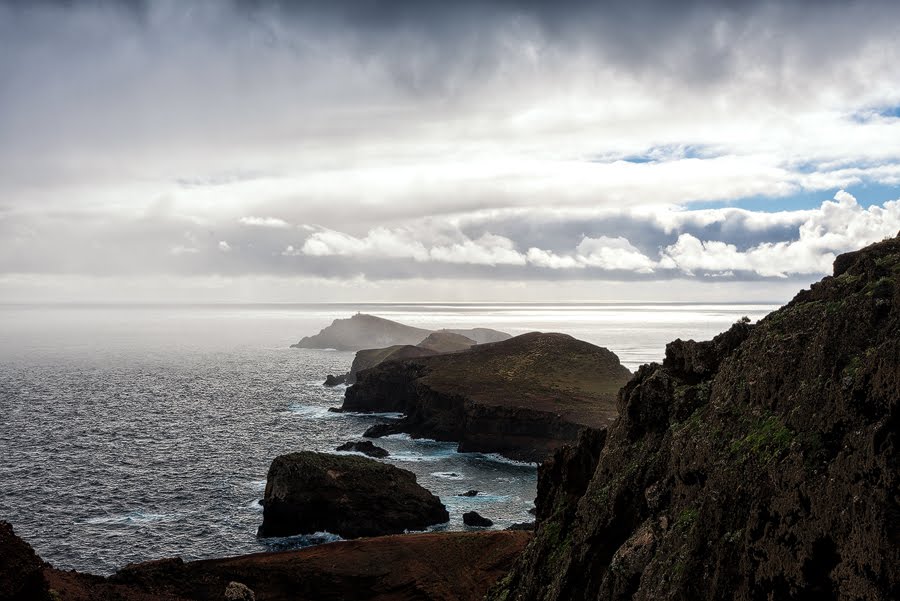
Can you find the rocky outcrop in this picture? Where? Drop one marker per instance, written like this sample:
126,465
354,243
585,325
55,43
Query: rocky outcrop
365,447
475,519
21,570
451,566
760,465
522,397
346,495
363,331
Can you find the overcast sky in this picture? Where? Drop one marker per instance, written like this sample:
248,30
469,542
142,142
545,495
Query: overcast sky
283,151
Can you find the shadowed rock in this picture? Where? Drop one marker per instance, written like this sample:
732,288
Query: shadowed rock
365,447
473,518
346,495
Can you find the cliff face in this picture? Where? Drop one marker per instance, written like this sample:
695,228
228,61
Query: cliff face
759,465
523,397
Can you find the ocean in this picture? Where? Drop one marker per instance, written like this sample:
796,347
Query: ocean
136,432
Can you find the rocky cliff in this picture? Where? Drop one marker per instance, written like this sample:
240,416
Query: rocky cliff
759,465
521,397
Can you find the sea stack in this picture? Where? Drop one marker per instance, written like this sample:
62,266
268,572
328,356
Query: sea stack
347,495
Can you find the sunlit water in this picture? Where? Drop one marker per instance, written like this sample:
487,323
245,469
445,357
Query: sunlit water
130,433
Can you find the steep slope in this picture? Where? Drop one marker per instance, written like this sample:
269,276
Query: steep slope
522,397
759,465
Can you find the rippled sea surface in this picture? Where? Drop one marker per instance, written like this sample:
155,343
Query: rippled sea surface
130,433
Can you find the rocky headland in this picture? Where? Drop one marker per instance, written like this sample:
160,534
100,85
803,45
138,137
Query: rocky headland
347,495
760,465
522,397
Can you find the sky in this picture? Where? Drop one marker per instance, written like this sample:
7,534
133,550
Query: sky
263,151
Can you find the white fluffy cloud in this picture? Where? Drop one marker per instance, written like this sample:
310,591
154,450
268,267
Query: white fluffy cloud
264,222
382,243
837,226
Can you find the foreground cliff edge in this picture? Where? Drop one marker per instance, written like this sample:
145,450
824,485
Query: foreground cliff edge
452,566
759,465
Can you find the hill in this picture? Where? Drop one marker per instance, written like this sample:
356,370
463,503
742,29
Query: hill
521,397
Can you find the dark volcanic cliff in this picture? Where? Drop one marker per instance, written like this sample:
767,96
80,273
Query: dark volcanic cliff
522,397
759,465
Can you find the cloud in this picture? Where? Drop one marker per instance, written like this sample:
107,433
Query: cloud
837,226
264,222
224,246
606,253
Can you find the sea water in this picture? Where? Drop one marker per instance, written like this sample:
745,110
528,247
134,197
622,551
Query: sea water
132,432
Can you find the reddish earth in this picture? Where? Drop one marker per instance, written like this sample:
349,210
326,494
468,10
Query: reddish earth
434,566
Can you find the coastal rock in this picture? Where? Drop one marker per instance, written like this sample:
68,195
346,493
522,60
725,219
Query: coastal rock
446,566
380,430
21,570
365,447
350,496
468,493
760,465
522,398
526,526
332,380
473,518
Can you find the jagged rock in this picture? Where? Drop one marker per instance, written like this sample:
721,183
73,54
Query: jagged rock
522,398
346,495
380,430
526,526
468,493
21,570
332,380
365,447
472,518
235,591
760,465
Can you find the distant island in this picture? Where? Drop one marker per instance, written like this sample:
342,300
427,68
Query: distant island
363,331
